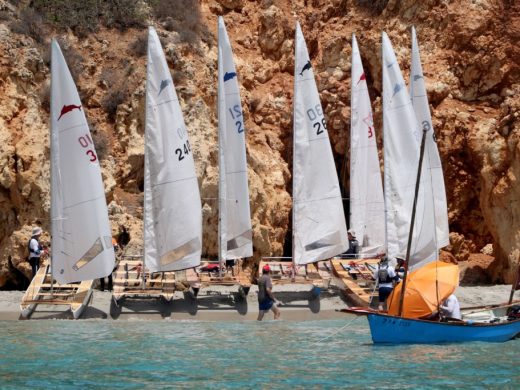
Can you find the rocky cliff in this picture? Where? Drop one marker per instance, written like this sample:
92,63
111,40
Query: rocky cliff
470,59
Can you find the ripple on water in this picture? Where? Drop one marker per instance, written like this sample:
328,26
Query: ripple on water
150,354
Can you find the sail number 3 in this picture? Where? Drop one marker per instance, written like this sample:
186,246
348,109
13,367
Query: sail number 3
86,142
314,115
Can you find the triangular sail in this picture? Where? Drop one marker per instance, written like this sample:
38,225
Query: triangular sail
234,213
319,229
81,236
172,209
434,178
402,136
367,208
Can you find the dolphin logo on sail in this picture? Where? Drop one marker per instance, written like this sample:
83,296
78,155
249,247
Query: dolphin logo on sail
164,84
363,77
307,66
229,76
417,77
68,108
397,89
388,66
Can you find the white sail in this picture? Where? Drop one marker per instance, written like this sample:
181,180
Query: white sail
367,208
319,229
402,136
81,236
234,213
434,178
172,209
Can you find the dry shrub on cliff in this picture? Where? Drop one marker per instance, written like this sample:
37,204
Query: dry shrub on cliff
376,6
117,92
84,16
183,16
30,24
140,45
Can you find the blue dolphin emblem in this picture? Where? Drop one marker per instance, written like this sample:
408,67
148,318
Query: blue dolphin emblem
229,76
397,89
164,84
307,66
417,77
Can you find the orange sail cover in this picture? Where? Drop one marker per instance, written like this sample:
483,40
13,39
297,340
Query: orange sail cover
423,294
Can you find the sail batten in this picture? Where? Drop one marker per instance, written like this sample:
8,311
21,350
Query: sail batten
235,231
319,228
81,235
172,209
367,210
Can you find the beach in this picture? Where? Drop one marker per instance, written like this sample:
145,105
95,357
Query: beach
223,303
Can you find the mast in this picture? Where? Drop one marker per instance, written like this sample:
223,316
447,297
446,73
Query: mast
293,236
146,165
221,173
52,172
414,208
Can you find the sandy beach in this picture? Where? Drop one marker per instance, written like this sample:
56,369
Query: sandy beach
222,303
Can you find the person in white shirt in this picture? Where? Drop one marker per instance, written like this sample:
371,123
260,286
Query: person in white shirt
450,308
385,276
35,250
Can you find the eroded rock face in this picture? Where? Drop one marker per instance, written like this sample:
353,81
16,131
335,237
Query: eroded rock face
470,59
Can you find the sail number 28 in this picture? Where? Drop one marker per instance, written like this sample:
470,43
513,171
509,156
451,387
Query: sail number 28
314,115
86,142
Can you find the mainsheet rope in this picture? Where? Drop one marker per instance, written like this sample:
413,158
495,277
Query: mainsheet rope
336,332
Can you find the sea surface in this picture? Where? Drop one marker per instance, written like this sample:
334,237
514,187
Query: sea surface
323,354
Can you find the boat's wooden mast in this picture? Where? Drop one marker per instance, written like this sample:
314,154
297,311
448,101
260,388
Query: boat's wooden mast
514,286
410,235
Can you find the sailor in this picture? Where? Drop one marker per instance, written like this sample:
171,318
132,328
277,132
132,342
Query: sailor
450,308
35,250
353,245
400,267
385,276
266,299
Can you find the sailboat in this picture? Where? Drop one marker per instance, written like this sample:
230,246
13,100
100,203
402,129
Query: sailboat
172,207
367,212
396,329
235,236
319,228
81,236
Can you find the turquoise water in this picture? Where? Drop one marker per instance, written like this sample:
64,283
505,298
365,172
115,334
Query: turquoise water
166,354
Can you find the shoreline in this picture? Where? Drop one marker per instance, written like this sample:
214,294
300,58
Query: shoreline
222,304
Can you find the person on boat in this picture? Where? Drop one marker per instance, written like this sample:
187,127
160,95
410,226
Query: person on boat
385,276
400,267
35,250
353,245
266,299
230,266
450,308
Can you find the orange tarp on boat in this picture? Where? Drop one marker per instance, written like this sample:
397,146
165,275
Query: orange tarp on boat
422,293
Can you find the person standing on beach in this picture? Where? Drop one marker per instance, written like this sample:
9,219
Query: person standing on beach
266,299
35,250
385,276
353,245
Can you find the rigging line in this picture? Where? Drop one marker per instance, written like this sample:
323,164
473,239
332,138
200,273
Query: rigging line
336,332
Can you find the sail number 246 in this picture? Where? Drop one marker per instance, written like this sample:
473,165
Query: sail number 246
183,150
314,115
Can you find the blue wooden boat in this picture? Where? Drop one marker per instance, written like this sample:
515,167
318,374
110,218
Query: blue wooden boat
397,330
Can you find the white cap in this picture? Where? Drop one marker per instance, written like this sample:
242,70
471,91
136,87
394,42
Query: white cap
351,232
37,231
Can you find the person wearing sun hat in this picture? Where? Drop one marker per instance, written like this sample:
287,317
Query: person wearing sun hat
353,245
266,299
35,249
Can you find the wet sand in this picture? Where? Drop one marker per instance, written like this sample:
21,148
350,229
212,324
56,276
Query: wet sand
223,303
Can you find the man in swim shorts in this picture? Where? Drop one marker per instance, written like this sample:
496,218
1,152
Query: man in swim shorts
266,299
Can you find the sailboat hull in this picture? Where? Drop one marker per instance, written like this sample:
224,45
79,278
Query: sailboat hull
387,329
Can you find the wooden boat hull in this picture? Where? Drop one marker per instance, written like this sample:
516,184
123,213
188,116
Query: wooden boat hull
74,295
358,294
388,329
